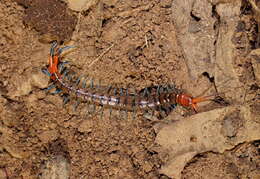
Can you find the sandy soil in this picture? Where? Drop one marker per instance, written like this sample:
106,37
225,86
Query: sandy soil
123,43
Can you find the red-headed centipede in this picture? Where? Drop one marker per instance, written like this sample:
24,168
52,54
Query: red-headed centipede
151,98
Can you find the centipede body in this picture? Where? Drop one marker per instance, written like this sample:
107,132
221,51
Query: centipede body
84,89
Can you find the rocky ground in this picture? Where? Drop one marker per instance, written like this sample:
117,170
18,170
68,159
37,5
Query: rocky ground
204,47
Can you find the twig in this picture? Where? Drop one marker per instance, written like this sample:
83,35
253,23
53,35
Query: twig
78,21
252,2
146,41
101,55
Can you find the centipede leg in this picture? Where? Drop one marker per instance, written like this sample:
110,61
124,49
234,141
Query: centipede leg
60,50
61,66
46,72
134,104
161,111
158,91
92,109
110,112
77,82
84,83
75,105
121,93
146,93
125,103
91,83
133,114
99,84
57,91
65,99
65,74
126,114
101,112
71,76
50,87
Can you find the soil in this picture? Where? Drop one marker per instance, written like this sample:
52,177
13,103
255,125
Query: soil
123,43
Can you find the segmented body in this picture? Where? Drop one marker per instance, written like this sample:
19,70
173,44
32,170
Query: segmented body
118,98
155,98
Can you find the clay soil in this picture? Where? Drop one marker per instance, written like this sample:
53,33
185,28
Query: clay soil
127,44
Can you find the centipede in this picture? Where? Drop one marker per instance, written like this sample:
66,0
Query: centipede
70,85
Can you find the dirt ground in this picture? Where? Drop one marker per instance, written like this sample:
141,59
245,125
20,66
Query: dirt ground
123,43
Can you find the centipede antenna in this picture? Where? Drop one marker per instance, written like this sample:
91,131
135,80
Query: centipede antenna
53,46
46,72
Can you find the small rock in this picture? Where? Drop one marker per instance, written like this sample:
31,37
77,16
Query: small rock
3,173
24,89
58,168
86,126
256,64
114,157
147,167
79,5
216,130
39,80
48,136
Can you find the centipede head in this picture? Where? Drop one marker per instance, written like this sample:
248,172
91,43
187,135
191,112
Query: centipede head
54,59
